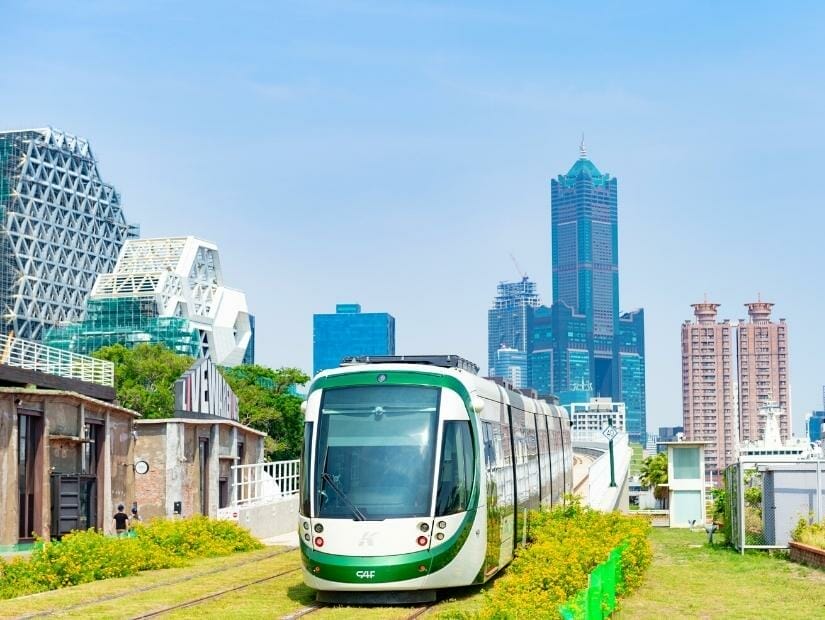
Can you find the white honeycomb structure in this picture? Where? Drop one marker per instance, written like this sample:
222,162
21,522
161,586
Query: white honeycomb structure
183,276
60,226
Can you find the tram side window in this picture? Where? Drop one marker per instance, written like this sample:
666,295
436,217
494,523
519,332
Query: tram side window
489,448
456,478
305,467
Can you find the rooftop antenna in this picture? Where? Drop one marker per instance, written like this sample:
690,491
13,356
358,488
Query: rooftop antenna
582,149
518,269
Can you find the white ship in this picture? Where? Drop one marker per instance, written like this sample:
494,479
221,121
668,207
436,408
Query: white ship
771,447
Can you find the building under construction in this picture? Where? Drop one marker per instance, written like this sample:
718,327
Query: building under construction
169,291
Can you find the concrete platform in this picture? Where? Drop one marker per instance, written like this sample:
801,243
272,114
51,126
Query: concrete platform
290,539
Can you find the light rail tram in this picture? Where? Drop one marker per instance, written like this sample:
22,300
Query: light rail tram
418,475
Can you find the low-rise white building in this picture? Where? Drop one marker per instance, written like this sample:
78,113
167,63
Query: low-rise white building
597,414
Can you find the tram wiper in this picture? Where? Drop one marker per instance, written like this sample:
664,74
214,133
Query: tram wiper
359,516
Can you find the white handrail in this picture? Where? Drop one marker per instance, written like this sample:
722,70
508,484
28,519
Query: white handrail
264,481
31,355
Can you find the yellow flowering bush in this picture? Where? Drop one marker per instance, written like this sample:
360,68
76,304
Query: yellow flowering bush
812,534
565,545
89,555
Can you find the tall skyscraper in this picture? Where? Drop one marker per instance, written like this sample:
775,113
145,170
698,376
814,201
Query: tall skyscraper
350,332
60,226
583,340
509,321
763,370
708,386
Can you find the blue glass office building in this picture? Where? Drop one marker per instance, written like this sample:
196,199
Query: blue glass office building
583,343
350,332
814,424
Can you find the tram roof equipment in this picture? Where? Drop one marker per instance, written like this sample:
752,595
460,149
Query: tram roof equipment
443,361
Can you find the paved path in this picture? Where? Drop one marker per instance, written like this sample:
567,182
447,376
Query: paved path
581,469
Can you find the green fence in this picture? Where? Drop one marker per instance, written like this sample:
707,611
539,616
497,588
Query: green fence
598,599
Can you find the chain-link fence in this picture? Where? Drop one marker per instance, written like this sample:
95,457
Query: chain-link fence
766,500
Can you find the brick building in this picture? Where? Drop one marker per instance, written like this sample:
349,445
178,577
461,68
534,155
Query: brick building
66,461
191,455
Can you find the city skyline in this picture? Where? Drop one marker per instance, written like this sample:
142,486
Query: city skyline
329,135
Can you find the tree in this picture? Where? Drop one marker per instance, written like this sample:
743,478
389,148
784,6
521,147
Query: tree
654,473
265,403
145,375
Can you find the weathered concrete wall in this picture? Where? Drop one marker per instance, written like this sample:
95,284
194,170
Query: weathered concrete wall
8,472
268,520
122,455
150,488
64,421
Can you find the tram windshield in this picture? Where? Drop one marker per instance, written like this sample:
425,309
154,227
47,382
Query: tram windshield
376,452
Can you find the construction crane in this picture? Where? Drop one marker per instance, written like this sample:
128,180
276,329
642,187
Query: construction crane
518,269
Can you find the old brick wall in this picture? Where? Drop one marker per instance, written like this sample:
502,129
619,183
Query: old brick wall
805,554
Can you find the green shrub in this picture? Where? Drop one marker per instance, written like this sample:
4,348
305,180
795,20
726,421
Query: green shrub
566,544
85,556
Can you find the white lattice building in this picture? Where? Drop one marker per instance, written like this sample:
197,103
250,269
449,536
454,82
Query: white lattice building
60,226
167,290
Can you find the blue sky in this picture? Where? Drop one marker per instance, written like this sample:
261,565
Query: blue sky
393,154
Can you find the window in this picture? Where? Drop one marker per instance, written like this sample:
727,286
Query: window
456,478
375,453
306,452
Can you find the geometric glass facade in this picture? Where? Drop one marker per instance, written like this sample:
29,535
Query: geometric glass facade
60,227
593,348
349,332
128,321
168,290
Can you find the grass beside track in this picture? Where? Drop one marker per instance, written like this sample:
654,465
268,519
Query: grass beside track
689,579
201,577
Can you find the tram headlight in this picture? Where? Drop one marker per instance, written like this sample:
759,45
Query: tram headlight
306,537
442,525
439,536
422,541
318,528
306,525
424,527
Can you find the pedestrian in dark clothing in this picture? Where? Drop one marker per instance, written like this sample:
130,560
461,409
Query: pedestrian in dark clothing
121,521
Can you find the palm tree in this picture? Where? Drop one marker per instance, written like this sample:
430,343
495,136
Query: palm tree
654,474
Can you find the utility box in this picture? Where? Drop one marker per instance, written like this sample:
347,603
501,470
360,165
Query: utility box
686,482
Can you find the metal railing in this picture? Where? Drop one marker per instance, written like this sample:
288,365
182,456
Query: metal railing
31,355
264,481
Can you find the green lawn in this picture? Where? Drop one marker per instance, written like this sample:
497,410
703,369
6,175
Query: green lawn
689,579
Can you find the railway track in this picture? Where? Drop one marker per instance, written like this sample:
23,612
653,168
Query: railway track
415,612
190,577
214,595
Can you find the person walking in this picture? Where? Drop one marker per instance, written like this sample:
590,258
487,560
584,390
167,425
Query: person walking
121,520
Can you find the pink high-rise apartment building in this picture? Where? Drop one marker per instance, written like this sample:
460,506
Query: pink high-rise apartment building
708,386
763,370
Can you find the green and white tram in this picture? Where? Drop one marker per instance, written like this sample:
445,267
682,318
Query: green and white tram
418,475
